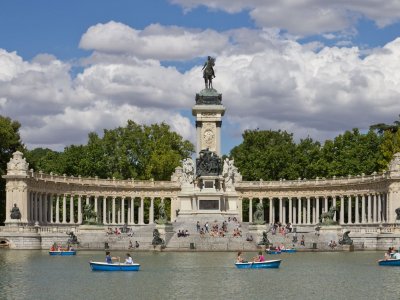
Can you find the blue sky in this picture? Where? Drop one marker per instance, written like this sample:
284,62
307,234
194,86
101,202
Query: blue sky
311,68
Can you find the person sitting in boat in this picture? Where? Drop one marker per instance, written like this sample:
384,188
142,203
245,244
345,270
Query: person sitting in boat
396,255
128,259
259,257
59,248
109,258
52,248
389,253
239,258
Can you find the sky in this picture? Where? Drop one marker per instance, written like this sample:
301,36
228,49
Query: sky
314,68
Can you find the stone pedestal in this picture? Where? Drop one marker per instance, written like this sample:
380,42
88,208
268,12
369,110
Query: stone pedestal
163,229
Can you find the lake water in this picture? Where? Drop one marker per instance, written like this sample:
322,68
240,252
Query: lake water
167,275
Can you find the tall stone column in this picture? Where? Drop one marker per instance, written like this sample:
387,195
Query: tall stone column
363,200
335,215
40,205
299,210
45,212
379,208
113,210
349,209
341,210
32,207
308,211
271,220
71,209
58,209
369,209
290,210
96,209
79,209
304,204
250,210
51,208
374,209
104,210
64,209
317,209
142,211
280,210
151,214
133,209
326,206
294,210
357,220
87,200
123,210
314,214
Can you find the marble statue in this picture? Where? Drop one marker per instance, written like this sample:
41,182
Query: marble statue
187,171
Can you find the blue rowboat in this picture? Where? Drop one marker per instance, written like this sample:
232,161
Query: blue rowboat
62,253
389,262
289,250
273,251
103,266
268,264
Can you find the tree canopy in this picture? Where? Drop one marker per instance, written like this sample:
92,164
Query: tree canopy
272,155
133,151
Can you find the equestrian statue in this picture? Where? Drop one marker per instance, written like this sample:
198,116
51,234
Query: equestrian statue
208,72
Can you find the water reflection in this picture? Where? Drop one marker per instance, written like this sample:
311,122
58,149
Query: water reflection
36,275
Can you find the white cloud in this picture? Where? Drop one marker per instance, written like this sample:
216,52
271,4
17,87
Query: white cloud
267,82
153,42
307,16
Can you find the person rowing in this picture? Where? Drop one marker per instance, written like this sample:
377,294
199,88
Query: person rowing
109,258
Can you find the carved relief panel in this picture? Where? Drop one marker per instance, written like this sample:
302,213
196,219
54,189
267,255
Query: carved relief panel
209,136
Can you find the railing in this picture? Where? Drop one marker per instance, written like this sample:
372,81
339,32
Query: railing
103,182
315,182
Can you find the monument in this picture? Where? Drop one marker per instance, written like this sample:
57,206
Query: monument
207,187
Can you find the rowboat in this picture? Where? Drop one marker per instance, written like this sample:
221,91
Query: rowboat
289,250
62,253
103,266
273,251
389,262
268,264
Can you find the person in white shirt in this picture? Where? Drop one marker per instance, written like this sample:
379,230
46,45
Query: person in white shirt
128,259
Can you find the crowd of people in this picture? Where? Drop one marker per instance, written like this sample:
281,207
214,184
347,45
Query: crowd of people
183,233
278,227
219,230
117,231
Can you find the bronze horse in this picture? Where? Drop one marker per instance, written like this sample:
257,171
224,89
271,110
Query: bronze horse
208,72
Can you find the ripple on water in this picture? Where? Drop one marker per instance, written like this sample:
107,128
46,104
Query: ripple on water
36,275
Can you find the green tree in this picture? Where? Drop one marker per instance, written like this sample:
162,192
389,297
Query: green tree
266,154
351,153
10,141
44,159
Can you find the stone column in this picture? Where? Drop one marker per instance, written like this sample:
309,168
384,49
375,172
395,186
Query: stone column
142,211
290,211
379,208
250,210
129,212
64,209
369,209
87,200
349,209
317,209
294,210
79,209
363,200
326,206
374,209
304,204
104,210
40,206
71,209
151,214
335,214
95,207
123,210
58,209
133,209
45,212
341,210
31,207
357,219
299,210
271,220
281,210
308,211
113,210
